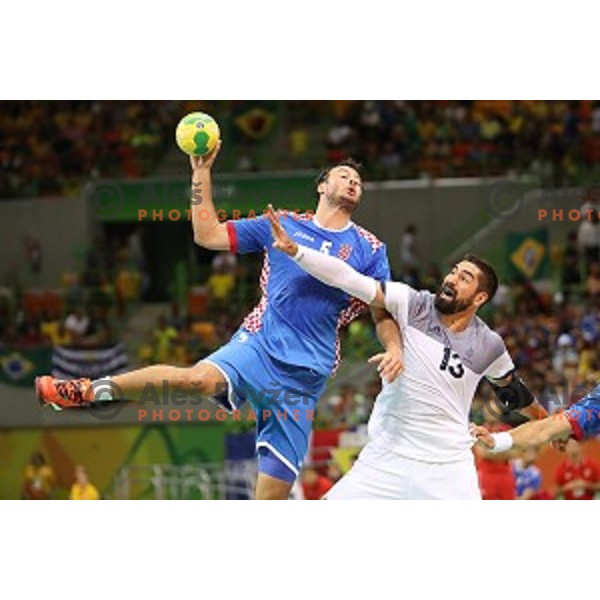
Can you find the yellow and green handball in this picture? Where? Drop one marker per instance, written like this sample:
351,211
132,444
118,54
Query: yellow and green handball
197,134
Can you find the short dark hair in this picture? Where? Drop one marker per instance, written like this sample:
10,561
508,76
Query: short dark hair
488,281
347,162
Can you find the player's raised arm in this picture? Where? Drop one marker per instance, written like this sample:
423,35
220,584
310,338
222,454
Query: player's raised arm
328,269
208,231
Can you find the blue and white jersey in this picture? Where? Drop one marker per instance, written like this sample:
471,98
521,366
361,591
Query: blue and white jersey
584,415
298,318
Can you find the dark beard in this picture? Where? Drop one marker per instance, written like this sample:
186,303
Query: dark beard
451,307
348,206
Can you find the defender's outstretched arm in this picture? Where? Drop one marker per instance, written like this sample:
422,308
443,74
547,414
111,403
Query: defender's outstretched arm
328,269
528,435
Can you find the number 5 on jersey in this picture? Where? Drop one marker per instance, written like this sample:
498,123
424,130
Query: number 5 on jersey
325,247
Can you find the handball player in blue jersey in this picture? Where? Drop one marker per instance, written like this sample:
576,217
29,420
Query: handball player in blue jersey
286,348
580,421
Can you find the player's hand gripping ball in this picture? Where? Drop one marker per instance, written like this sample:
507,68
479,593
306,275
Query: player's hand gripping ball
197,134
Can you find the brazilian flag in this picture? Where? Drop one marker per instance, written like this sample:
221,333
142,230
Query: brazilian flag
255,120
20,366
527,254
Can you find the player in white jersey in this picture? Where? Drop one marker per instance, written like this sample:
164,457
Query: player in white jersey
419,442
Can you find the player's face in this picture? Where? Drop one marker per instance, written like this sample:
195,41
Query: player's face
343,187
459,290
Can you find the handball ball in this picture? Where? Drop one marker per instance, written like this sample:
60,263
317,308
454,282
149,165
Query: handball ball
197,134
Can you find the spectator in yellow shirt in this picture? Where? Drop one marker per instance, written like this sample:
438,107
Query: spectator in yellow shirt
164,339
220,285
38,479
56,333
82,489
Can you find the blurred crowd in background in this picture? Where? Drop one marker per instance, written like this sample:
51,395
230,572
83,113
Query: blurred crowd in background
86,305
40,481
400,139
51,148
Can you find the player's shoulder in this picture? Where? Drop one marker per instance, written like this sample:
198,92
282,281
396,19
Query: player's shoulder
487,335
366,238
298,225
486,343
419,301
301,218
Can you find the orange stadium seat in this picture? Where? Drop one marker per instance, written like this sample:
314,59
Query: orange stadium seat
53,302
33,302
197,302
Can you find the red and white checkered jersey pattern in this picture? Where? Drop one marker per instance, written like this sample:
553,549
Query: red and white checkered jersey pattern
253,322
373,240
355,309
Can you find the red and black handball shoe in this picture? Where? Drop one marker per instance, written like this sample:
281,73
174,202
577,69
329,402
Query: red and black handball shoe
63,393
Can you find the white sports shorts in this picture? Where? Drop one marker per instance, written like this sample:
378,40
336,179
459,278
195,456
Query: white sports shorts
380,474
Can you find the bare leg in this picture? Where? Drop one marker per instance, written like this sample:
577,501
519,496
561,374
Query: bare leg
270,488
202,378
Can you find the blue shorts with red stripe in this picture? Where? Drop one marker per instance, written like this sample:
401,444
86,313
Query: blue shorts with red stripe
584,416
283,398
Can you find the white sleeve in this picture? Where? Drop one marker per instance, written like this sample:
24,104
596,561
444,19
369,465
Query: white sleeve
335,272
501,366
397,296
